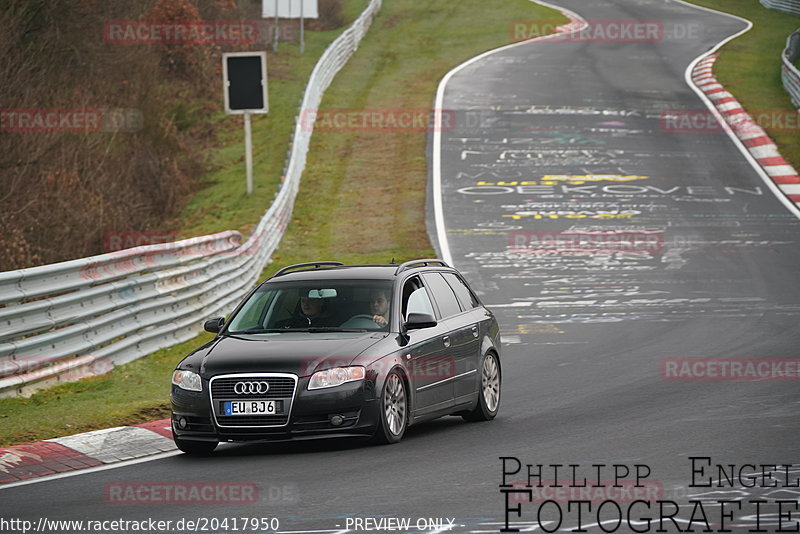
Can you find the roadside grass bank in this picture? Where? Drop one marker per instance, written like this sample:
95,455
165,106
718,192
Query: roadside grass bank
222,203
750,68
361,200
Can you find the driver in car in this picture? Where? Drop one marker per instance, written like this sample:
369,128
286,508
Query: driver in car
379,307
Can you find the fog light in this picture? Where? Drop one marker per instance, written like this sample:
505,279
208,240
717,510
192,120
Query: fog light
182,423
337,420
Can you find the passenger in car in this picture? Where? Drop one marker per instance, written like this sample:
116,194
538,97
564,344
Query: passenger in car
312,312
379,306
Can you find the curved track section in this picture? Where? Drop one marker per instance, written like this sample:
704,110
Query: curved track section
616,240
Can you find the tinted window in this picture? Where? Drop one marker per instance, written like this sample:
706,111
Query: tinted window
465,296
442,294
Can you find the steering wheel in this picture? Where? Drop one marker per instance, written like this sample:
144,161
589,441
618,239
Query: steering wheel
361,320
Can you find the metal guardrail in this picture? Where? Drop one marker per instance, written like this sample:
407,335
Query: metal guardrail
68,320
788,6
789,72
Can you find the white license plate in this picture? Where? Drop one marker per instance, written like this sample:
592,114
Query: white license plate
250,407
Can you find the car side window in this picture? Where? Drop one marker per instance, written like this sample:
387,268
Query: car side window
465,296
443,294
415,298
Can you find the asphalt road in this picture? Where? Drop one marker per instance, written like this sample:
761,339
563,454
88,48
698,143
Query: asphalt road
588,328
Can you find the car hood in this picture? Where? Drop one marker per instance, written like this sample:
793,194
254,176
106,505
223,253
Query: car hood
300,353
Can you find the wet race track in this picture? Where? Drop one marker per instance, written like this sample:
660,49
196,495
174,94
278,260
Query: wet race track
616,249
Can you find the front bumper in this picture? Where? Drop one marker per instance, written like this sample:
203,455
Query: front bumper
310,415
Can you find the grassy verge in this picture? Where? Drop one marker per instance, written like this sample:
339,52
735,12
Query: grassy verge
750,68
361,199
222,204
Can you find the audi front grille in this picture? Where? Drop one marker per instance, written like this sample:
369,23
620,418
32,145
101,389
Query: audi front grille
282,387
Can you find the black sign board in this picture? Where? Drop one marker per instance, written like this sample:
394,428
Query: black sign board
245,82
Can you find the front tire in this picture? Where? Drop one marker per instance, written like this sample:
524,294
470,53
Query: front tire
489,394
393,408
197,448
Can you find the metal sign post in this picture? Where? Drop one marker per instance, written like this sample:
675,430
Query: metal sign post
302,34
289,9
245,88
277,29
248,148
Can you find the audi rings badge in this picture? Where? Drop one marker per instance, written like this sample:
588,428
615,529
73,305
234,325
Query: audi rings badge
251,388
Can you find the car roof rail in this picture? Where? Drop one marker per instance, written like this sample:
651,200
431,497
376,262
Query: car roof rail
424,263
307,266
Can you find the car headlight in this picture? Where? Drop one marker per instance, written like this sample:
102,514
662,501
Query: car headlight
187,380
335,377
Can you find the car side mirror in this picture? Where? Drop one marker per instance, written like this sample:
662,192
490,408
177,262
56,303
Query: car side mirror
214,325
420,320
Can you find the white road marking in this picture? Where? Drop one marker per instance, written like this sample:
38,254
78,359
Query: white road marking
12,458
68,474
766,151
790,189
111,445
779,170
727,106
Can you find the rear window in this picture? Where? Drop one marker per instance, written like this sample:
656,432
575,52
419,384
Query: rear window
465,296
442,294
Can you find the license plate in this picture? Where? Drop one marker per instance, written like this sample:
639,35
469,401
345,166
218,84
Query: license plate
250,407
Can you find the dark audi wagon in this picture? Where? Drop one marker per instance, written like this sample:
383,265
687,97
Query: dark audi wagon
327,350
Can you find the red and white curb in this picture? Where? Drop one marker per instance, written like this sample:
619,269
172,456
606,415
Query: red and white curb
80,451
754,138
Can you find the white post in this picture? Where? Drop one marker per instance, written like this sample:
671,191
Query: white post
248,148
302,36
277,29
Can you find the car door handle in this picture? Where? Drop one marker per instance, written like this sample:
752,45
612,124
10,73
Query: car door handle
475,331
446,341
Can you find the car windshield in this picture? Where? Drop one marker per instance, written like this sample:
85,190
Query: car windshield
315,306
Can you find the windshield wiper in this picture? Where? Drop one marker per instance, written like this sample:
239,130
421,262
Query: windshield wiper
317,329
257,331
313,330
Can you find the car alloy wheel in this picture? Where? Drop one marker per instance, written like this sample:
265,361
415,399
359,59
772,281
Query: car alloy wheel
489,396
490,383
393,410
